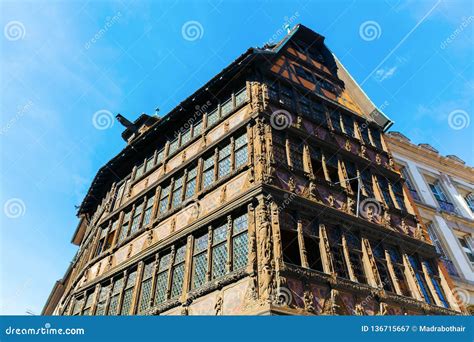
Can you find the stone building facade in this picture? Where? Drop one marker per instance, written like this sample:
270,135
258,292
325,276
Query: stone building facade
269,191
443,191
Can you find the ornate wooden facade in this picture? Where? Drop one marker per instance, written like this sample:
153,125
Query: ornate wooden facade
244,200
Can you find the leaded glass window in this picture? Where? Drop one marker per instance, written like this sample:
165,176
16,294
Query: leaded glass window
178,272
177,192
398,192
384,188
78,302
367,182
311,243
239,242
137,215
381,262
118,197
162,279
197,128
319,113
104,291
125,226
139,171
148,211
212,118
337,251
88,303
376,138
240,149
145,289
364,131
164,199
304,106
279,148
191,183
219,251
240,97
336,120
354,245
226,107
348,122
114,299
208,172
296,148
150,163
200,261
173,146
128,293
159,156
224,161
185,137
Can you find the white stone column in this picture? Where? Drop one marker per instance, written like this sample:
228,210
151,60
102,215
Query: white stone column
419,181
459,202
450,239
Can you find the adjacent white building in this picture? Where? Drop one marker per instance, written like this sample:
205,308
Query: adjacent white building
443,190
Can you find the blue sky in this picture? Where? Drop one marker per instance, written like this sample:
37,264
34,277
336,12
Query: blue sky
62,62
